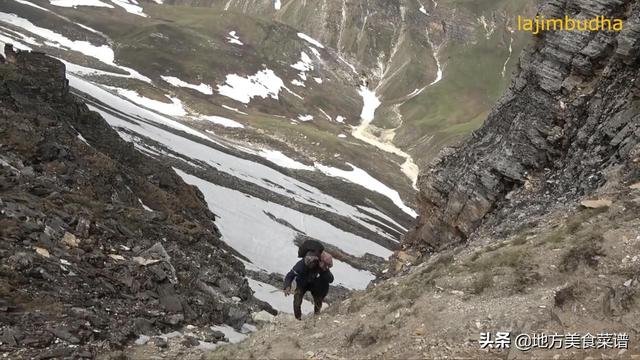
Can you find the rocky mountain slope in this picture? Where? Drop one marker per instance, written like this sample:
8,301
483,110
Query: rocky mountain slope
573,270
100,243
569,118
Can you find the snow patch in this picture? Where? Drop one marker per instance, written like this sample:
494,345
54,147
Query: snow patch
126,107
283,160
173,109
423,10
230,333
371,103
315,52
310,40
361,177
104,53
234,39
277,4
264,83
325,114
305,117
275,297
130,7
76,3
297,82
219,120
81,138
342,136
340,118
318,80
203,88
304,65
234,110
267,242
144,206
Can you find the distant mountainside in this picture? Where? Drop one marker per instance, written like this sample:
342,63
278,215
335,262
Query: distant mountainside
376,84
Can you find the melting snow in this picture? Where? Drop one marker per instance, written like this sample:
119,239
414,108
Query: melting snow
144,206
315,51
325,114
76,3
83,139
359,176
281,159
264,236
436,49
356,176
222,121
310,40
275,297
230,333
234,109
203,88
103,53
234,39
130,7
382,215
353,68
24,2
305,64
371,103
173,109
264,83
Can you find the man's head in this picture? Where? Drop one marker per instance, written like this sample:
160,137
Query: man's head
311,261
326,260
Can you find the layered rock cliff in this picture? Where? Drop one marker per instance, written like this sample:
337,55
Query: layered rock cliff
570,116
98,243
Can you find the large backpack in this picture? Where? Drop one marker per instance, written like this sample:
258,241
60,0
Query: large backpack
310,245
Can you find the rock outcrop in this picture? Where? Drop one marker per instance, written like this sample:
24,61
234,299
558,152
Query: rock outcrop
571,114
98,243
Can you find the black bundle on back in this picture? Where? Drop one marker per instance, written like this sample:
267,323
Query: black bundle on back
310,245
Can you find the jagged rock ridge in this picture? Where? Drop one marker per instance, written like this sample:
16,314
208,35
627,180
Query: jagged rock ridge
570,114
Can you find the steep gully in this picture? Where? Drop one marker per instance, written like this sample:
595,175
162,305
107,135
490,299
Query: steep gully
365,131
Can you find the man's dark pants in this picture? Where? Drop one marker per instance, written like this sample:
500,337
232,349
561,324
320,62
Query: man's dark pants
318,289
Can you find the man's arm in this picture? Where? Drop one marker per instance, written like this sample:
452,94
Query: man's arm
297,269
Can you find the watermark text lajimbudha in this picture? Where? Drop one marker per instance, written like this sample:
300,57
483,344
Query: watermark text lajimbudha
539,24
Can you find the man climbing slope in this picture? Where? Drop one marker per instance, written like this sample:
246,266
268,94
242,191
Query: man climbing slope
309,274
